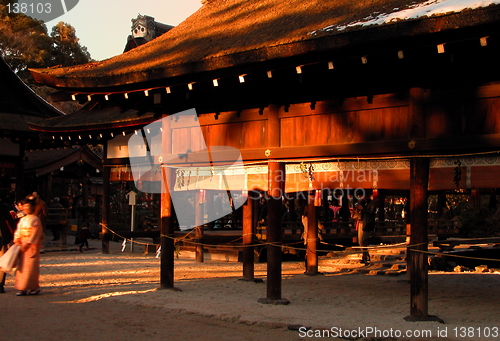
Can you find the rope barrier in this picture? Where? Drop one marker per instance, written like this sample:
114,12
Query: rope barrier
409,247
456,256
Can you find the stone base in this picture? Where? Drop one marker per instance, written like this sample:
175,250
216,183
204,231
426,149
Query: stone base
307,273
428,318
282,301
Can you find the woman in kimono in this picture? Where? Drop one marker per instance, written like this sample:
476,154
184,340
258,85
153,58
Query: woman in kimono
29,237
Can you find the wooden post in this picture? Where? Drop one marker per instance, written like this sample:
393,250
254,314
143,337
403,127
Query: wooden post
167,233
419,179
106,174
312,238
417,263
167,216
248,231
276,182
199,228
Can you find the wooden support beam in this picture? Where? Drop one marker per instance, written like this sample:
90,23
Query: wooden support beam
417,250
312,238
248,231
199,228
274,234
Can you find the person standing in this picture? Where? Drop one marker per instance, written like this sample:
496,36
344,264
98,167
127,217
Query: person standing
29,237
41,212
84,235
7,227
366,225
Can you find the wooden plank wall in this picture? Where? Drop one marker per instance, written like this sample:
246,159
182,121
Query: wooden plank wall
449,113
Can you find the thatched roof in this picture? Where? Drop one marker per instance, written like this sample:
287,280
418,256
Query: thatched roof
225,34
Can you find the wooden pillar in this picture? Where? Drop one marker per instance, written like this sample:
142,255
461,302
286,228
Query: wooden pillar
106,174
417,267
167,233
312,238
248,231
276,183
417,262
167,215
199,228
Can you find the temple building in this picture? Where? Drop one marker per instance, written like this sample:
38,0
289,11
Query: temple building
145,29
334,95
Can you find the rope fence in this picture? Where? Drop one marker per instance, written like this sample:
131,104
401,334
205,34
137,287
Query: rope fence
289,246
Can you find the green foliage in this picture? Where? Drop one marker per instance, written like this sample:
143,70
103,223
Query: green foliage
67,50
25,43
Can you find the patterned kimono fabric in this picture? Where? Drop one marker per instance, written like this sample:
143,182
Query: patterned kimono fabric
29,231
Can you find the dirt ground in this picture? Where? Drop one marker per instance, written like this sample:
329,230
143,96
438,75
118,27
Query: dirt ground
94,296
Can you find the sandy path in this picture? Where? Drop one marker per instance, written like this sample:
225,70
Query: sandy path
114,297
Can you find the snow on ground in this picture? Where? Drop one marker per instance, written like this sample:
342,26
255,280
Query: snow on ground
428,8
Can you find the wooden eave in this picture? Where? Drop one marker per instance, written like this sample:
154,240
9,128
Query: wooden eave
17,98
